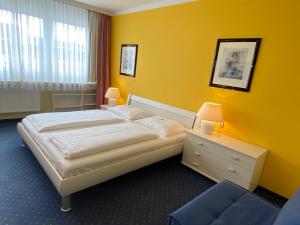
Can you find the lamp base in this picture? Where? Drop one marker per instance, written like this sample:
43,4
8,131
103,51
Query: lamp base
207,127
112,102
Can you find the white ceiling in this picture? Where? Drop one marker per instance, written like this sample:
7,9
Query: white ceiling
116,7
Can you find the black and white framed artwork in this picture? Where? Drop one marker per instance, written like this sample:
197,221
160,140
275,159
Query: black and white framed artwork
234,63
128,59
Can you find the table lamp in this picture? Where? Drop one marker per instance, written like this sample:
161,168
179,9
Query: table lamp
113,94
209,115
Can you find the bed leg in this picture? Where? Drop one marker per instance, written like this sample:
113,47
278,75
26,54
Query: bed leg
66,203
23,143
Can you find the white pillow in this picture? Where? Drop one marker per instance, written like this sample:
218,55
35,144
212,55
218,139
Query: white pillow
129,112
165,127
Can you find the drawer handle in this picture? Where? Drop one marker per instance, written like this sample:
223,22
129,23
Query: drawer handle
231,169
197,154
199,143
195,164
235,158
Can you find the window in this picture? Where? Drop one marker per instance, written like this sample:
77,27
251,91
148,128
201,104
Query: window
69,40
6,23
23,33
44,46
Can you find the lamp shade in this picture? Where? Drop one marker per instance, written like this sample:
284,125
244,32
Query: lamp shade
112,93
210,111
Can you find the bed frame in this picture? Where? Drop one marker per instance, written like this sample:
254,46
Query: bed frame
70,185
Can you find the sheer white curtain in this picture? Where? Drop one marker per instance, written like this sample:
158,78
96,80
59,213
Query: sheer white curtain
44,45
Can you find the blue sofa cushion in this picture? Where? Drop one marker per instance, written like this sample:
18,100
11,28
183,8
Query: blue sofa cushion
290,213
225,204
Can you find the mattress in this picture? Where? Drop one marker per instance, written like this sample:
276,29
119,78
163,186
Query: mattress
72,167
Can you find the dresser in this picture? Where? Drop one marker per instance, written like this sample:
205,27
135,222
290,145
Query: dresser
219,157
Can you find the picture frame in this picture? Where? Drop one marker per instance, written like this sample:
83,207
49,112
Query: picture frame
128,59
234,63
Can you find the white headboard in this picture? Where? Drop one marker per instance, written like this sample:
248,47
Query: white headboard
185,117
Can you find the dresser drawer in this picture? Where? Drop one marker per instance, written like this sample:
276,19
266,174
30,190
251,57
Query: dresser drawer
199,164
218,168
193,143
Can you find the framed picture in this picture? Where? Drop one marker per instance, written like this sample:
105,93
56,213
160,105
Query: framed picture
234,63
128,60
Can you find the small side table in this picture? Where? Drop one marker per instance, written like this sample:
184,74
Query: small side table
219,157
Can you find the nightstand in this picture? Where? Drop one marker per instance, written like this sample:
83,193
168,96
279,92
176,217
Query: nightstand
105,107
219,157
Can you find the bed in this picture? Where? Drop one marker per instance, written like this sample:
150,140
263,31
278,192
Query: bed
73,175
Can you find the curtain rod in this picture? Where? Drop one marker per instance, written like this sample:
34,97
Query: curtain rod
85,6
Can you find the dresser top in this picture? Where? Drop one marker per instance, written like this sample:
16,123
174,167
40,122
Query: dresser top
231,143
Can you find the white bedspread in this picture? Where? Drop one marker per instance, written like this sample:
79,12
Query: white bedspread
60,120
73,167
86,141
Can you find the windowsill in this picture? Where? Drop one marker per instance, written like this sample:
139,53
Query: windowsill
42,86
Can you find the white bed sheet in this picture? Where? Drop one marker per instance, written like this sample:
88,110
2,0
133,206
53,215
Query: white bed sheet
73,167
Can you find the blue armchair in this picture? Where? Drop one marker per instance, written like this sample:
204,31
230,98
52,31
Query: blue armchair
229,204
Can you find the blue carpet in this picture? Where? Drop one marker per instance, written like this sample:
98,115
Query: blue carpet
144,197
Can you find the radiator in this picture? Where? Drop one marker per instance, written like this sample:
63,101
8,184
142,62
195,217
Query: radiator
12,101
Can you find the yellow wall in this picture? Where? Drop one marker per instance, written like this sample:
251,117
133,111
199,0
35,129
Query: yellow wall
176,51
